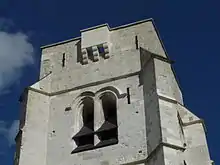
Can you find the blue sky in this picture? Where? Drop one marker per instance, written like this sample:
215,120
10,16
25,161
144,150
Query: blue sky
189,29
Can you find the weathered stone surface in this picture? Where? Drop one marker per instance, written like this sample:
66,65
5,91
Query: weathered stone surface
154,127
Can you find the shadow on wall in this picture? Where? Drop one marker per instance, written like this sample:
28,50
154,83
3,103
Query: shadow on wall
18,139
79,54
100,50
145,57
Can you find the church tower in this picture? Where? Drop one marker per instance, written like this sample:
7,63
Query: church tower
109,97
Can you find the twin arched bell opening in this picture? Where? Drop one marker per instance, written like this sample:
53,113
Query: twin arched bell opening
107,133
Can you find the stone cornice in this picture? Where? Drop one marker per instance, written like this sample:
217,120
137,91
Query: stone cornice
152,56
83,86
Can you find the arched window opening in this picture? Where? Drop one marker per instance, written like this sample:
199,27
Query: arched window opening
88,113
84,139
109,108
108,132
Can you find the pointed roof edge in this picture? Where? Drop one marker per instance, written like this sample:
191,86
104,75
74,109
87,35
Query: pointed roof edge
165,51
195,120
36,84
188,113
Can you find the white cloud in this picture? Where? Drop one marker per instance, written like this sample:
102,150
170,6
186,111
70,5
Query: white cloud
9,133
12,132
15,53
7,136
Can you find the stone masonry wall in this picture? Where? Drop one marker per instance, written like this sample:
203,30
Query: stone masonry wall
153,129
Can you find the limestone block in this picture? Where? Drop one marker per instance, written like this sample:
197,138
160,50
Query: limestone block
84,56
106,50
95,53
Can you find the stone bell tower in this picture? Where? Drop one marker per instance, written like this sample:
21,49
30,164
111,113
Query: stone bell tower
109,97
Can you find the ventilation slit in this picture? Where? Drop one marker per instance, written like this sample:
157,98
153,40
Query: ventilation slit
136,42
63,60
128,96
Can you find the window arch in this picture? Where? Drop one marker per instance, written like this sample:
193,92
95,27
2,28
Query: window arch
112,89
84,139
108,132
106,119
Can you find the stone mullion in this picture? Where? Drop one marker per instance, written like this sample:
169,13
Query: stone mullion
99,118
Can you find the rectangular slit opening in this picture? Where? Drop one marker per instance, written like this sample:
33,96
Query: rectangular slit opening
128,96
63,60
136,42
